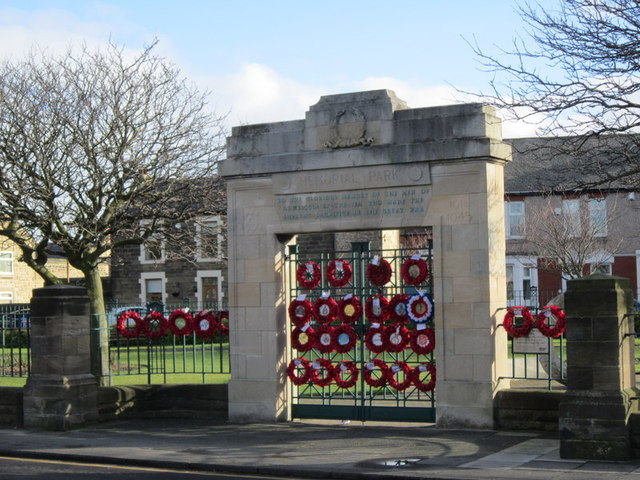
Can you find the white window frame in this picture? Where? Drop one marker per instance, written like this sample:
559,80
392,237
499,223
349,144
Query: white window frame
6,297
142,258
508,214
200,274
571,216
519,264
598,216
152,276
211,219
9,260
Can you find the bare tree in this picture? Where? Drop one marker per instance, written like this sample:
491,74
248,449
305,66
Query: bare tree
576,72
93,141
570,240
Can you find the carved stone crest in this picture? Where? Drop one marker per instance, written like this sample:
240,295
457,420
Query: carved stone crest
349,130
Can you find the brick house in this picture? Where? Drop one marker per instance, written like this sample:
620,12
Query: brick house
17,280
536,192
192,275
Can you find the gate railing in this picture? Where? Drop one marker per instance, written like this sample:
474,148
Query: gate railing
361,401
138,359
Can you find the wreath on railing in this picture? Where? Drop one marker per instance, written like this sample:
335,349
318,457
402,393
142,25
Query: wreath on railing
308,275
374,340
300,311
339,273
376,309
180,322
397,308
395,338
343,367
325,308
422,341
344,338
417,372
394,370
323,339
122,324
223,322
349,309
299,334
414,270
379,272
420,308
205,324
509,324
154,325
296,366
542,321
317,367
375,365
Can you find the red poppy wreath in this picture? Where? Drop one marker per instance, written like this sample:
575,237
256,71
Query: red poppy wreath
376,309
395,338
223,322
344,338
374,340
300,311
414,270
180,322
379,272
349,309
419,382
205,324
122,324
339,273
154,325
308,275
542,321
302,338
323,339
299,371
342,368
383,373
394,370
397,308
422,341
317,367
509,321
325,309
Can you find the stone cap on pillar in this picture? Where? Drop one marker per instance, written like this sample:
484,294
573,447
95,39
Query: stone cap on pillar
60,291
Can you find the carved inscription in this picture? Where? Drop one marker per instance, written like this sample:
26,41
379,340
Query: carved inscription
364,204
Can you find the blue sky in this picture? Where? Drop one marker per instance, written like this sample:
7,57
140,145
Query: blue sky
268,60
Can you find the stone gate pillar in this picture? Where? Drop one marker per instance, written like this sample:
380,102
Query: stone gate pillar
600,369
61,392
365,161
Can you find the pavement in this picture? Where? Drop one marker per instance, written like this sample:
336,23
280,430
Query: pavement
319,449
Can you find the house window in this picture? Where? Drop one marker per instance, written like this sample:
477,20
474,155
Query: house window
209,238
514,219
598,216
152,287
510,293
601,268
6,297
152,251
571,217
209,293
6,263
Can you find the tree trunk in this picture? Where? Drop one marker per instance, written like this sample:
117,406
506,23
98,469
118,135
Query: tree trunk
99,326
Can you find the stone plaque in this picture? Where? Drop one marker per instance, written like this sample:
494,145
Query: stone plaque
535,342
366,205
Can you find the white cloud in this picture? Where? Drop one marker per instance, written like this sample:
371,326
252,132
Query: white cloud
258,94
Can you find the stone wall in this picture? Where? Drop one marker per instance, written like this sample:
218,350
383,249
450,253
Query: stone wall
527,409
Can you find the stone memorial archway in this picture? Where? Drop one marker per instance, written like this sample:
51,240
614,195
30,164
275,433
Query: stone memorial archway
365,161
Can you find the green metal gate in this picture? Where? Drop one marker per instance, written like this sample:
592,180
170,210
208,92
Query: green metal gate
392,358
